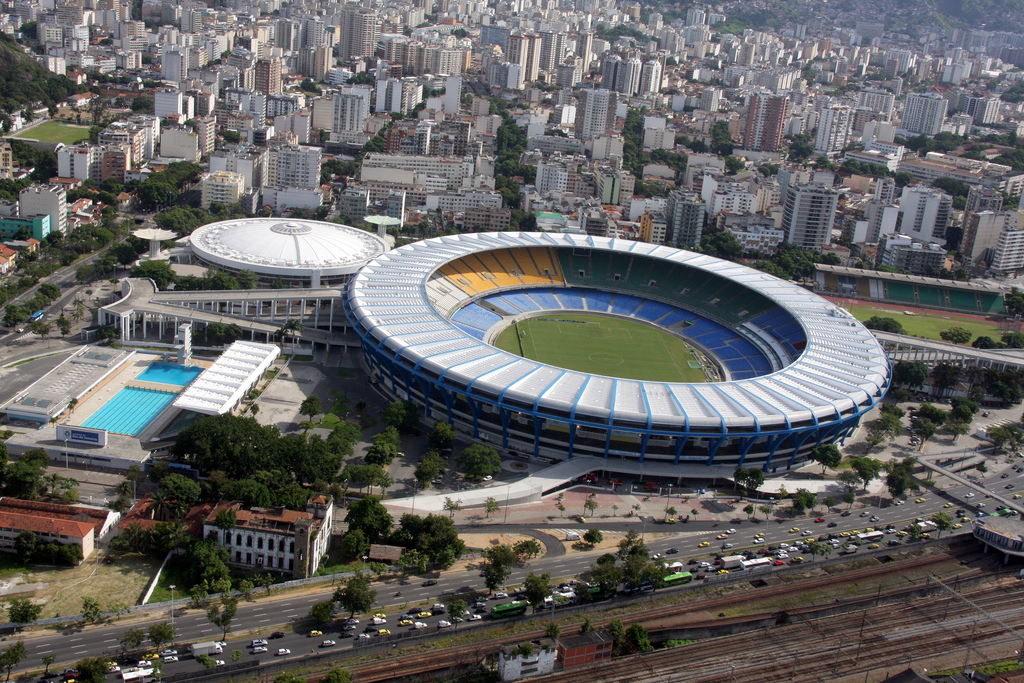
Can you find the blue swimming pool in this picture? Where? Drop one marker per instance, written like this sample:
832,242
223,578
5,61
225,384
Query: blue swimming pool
170,373
130,410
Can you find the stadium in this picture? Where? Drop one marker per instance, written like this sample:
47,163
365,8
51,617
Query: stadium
561,345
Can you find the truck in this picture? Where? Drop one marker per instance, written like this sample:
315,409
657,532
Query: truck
210,648
732,561
927,525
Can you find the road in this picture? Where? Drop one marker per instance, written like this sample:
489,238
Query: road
263,617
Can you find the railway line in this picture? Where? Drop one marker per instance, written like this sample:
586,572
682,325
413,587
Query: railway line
770,641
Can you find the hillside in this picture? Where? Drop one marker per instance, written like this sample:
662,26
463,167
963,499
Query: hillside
25,83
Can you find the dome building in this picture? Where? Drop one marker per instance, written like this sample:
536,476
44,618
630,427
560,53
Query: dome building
292,252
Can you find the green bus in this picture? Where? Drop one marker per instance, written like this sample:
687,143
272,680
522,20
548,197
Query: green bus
677,579
509,609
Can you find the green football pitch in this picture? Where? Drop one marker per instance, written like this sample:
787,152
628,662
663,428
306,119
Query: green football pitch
603,345
54,131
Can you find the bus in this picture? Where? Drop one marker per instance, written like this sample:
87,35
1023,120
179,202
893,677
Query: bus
509,609
870,536
38,315
756,563
677,579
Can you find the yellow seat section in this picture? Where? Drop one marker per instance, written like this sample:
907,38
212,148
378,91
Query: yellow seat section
500,275
546,265
458,279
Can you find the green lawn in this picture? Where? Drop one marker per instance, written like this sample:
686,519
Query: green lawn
602,345
927,326
53,131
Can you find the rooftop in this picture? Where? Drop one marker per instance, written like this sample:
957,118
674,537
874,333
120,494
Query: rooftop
220,386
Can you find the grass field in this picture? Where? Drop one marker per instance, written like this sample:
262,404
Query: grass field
603,345
927,326
53,131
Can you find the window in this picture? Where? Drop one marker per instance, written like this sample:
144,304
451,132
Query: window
238,556
238,539
259,543
616,277
582,273
280,544
291,547
248,541
248,558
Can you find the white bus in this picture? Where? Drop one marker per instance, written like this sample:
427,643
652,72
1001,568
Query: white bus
757,563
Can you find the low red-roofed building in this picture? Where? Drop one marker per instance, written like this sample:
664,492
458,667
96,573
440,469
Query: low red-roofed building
52,523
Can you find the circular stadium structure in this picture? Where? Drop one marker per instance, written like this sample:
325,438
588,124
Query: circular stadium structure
291,251
782,370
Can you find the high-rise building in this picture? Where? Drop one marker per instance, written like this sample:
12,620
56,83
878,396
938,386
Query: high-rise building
878,101
925,213
595,113
221,187
809,214
610,65
650,77
981,198
684,218
981,235
585,48
923,113
351,109
710,99
268,76
766,119
985,110
206,128
6,160
524,49
1008,255
833,130
168,102
358,33
36,200
79,161
552,49
295,166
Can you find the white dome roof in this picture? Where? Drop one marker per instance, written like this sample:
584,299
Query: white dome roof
278,246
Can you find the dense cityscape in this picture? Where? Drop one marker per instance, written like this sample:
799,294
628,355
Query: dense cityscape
466,340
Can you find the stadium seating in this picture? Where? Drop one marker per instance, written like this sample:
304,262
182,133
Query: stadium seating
930,296
476,316
570,298
544,298
900,291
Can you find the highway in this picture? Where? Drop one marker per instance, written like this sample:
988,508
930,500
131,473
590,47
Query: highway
289,612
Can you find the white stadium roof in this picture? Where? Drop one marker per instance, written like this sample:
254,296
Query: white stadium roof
841,367
286,247
221,386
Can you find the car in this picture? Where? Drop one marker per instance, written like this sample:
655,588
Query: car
901,533
873,546
901,502
721,537
378,621
703,544
405,622
672,551
419,624
430,582
113,668
171,658
796,560
919,500
1004,475
864,513
152,656
365,636
726,546
218,662
438,608
258,649
730,531
758,540
256,642
384,632
819,520
1008,487
168,653
314,633
806,532
443,624
277,634
969,494
351,621
958,525
778,563
656,556
832,525
379,615
722,571
500,595
874,518
794,530
947,505
475,617
328,643
424,614
1017,496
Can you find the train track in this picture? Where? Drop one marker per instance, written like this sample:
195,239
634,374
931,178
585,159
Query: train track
413,666
832,647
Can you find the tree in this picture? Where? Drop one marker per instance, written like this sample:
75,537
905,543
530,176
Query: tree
160,634
456,609
451,506
866,469
441,436
370,517
637,639
803,500
221,614
956,335
849,498
160,272
414,562
479,461
355,596
552,630
748,509
131,639
899,477
491,506
925,429
64,325
48,660
353,544
827,455
849,479
181,492
40,327
910,373
321,612
497,565
429,468
92,669
337,676
592,537
12,656
536,587
526,549
942,521
590,504
310,406
945,376
765,510
23,611
91,610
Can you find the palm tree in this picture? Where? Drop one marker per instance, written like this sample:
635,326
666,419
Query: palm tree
160,506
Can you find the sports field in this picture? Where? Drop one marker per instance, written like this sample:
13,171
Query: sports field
603,345
926,325
53,131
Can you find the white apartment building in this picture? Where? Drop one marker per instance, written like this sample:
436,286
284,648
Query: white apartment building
1009,251
455,170
833,130
351,110
222,187
180,143
36,200
925,213
923,113
79,161
295,166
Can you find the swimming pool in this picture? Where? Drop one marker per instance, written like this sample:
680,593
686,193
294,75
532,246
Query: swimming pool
130,410
170,373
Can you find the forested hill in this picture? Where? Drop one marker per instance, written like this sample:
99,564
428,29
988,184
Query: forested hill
25,83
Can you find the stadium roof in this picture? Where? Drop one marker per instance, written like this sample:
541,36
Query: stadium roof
841,367
906,277
221,386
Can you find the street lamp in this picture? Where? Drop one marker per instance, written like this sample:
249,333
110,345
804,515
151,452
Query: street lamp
66,452
172,607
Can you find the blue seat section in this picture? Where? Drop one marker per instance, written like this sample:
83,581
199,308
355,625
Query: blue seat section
625,304
652,310
522,302
676,317
476,316
544,297
472,331
598,301
570,298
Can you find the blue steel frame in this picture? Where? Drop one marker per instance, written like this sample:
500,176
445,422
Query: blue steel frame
393,369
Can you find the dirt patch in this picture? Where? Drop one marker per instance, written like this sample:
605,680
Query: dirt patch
482,541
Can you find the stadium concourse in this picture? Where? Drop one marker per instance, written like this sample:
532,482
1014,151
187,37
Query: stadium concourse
788,369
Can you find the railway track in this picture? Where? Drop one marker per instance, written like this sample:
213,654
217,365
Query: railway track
413,666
